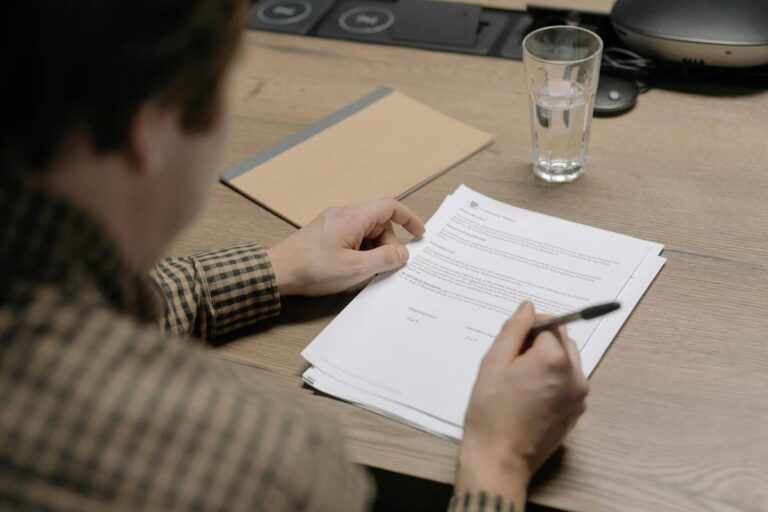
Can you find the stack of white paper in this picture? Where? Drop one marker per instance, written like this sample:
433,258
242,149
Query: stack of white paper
410,345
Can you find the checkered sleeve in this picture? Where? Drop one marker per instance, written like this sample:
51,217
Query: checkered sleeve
479,501
213,293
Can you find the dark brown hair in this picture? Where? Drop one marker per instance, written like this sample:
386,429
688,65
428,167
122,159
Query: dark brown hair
93,63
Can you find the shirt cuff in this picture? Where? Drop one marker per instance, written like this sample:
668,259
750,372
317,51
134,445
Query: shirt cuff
240,285
479,501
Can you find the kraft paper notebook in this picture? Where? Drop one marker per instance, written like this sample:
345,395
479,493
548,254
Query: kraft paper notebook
383,145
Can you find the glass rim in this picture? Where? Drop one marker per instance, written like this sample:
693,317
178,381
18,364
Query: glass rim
575,61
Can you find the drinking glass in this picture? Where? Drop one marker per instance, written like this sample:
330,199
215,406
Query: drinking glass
562,67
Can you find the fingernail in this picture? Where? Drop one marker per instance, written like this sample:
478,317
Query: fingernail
526,304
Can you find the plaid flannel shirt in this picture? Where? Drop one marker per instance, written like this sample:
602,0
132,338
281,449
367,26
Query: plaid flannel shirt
102,409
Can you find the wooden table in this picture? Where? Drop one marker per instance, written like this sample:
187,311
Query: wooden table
678,413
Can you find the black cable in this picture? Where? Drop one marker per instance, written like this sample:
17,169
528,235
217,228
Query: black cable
627,63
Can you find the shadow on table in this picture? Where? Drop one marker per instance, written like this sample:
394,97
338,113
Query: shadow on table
402,493
296,310
307,309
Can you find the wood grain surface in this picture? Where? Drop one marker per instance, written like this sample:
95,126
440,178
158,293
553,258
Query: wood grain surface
678,411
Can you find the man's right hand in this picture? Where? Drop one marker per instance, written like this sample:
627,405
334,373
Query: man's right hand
524,402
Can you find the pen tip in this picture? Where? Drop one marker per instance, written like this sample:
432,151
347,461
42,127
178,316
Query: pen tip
599,310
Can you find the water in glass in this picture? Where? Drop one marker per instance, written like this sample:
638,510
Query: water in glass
561,112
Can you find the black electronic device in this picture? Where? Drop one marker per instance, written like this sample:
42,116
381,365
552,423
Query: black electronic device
539,17
291,16
647,43
450,24
521,25
360,20
731,33
459,28
615,96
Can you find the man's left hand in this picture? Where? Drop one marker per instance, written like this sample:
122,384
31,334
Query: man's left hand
342,247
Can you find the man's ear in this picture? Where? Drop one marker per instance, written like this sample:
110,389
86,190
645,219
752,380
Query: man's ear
149,139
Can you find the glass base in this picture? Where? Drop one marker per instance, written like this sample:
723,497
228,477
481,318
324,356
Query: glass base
559,171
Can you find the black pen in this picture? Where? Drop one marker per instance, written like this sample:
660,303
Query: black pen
585,314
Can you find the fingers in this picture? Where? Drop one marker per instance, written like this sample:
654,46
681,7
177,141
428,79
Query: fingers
385,252
382,234
389,253
512,337
381,259
561,335
573,351
384,210
559,353
387,236
549,350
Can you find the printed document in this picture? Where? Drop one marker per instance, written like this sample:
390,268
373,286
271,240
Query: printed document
410,345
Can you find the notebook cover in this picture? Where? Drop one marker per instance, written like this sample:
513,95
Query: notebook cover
383,145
